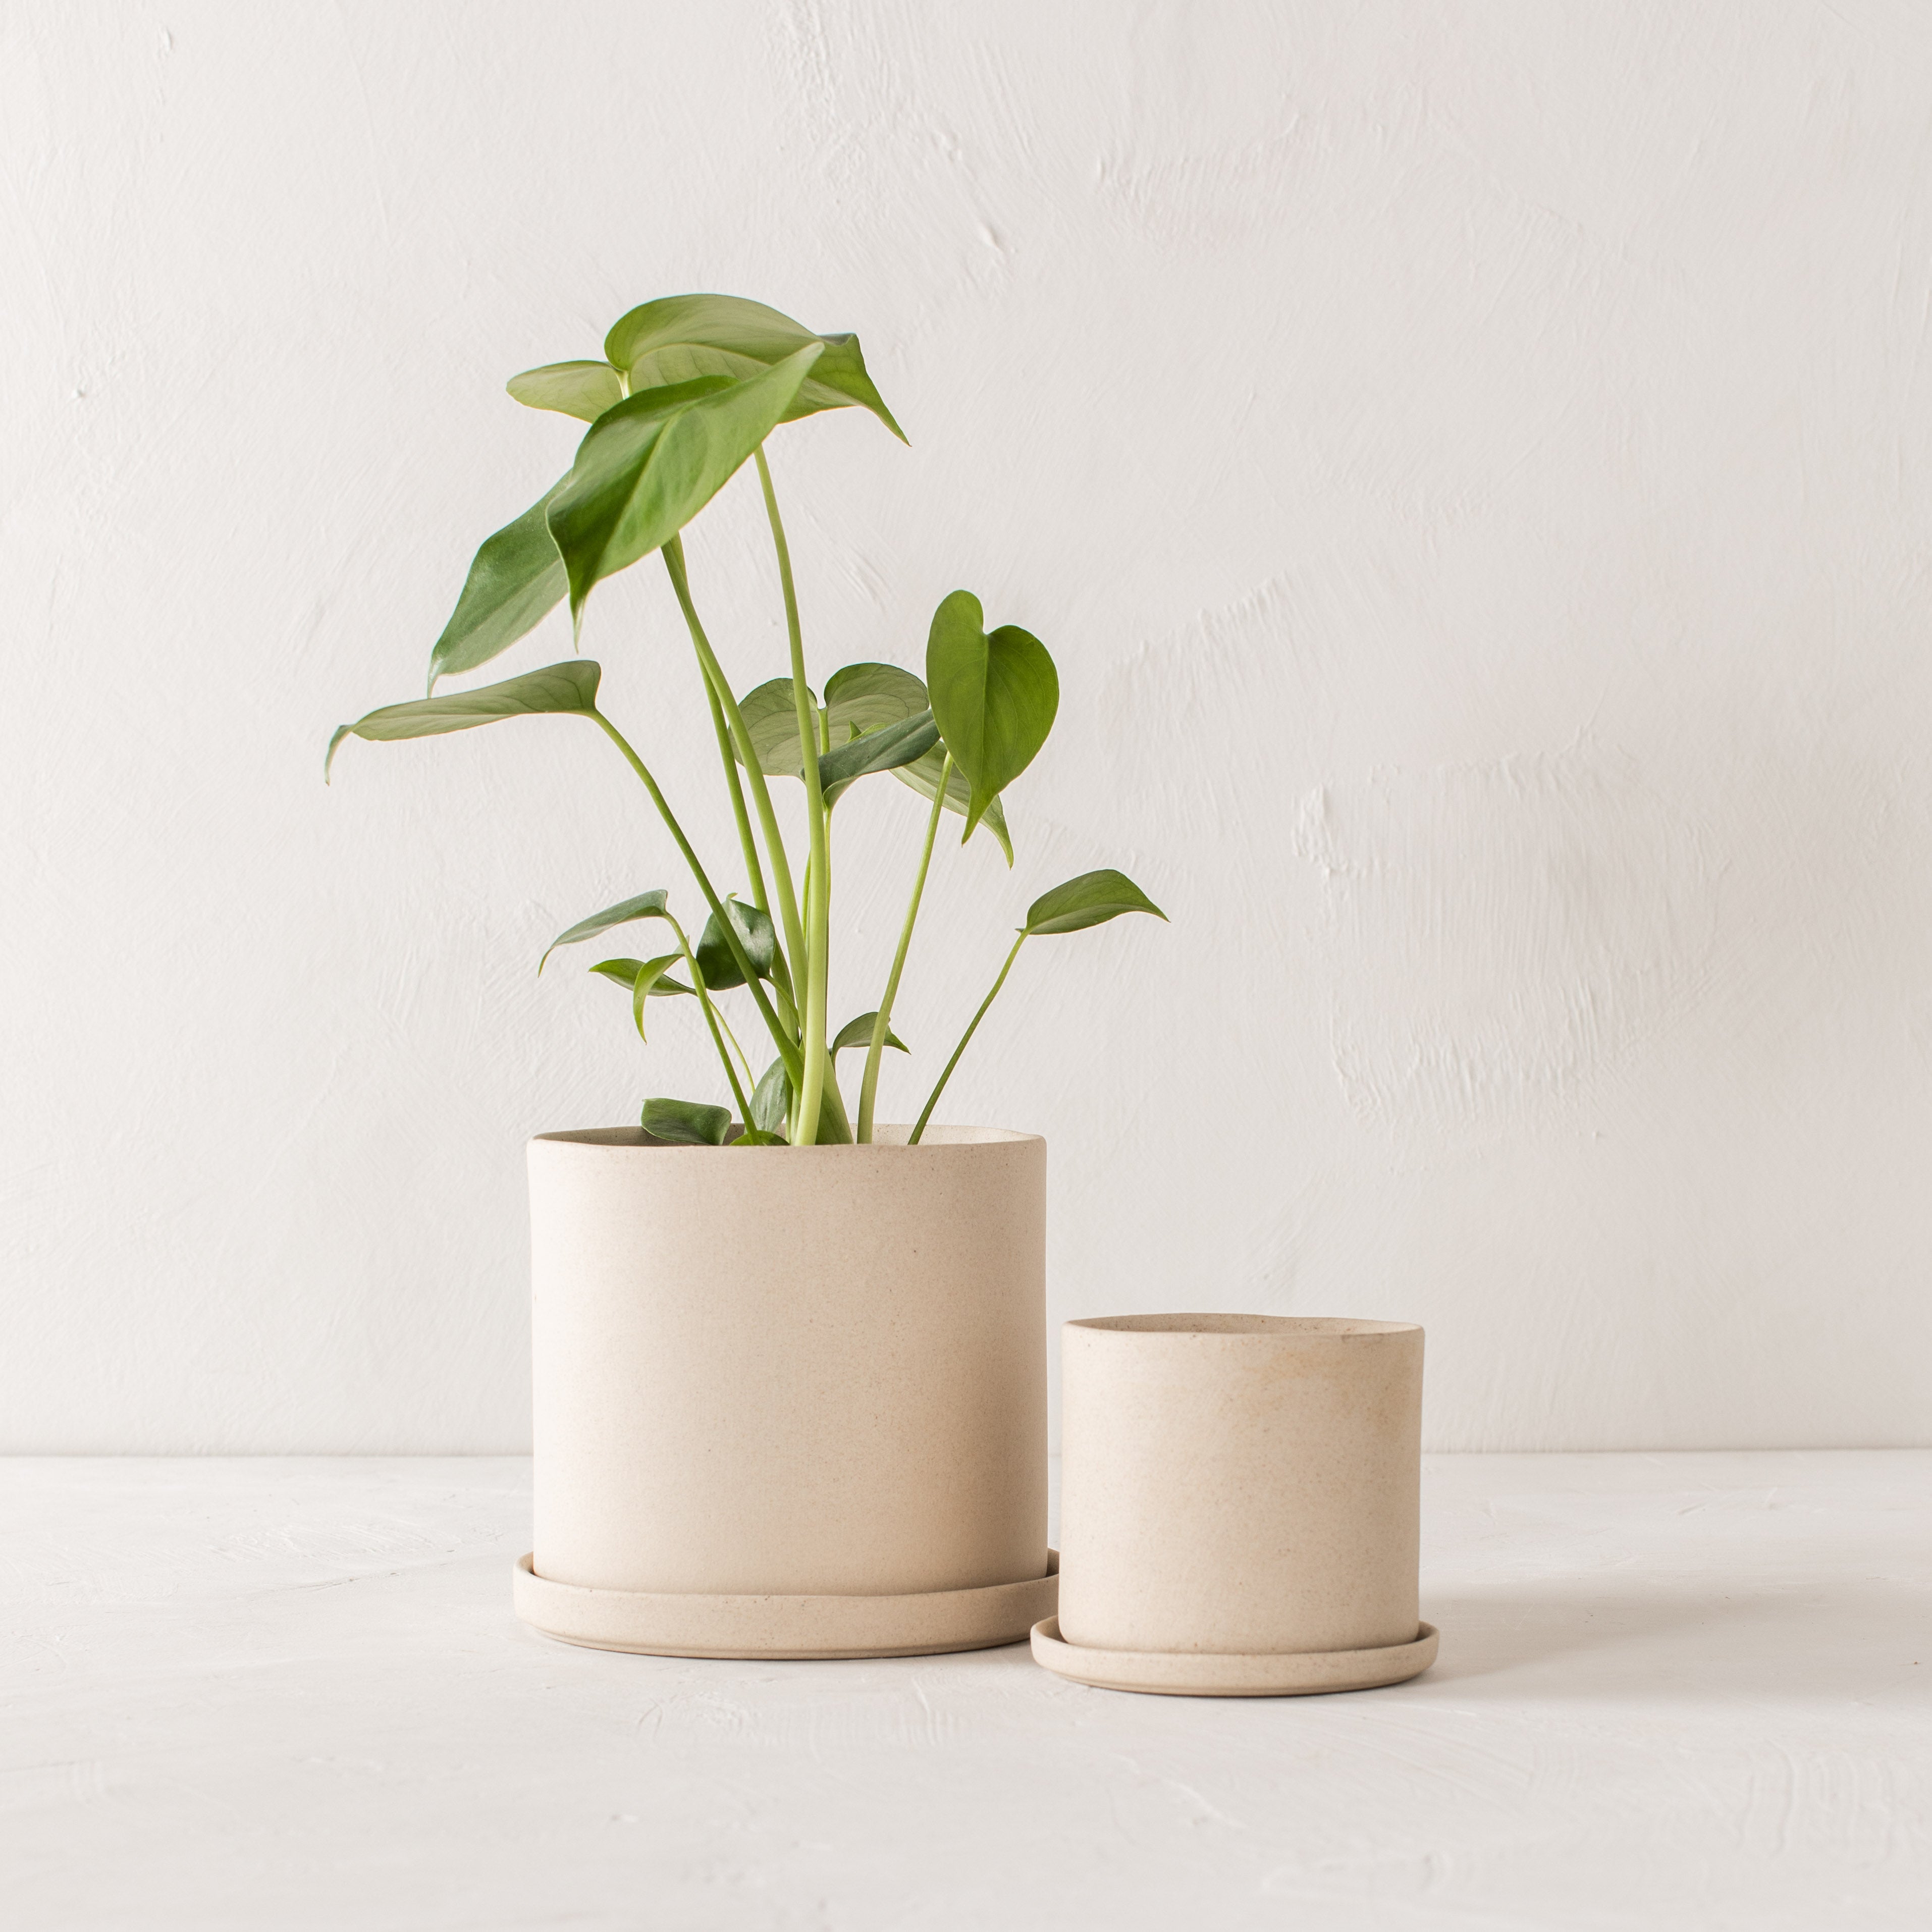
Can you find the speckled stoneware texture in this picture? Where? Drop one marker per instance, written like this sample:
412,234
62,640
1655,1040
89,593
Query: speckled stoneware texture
808,1375
1243,1490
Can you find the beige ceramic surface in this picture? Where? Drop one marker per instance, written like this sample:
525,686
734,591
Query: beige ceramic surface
804,1372
690,1625
1240,1485
1193,1673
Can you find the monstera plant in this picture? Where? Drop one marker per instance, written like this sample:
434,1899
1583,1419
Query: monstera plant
689,390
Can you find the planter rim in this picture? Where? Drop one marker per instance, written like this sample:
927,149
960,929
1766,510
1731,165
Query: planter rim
1242,1330
938,1139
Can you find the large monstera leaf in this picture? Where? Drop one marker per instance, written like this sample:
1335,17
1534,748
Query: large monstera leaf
679,338
646,467
515,581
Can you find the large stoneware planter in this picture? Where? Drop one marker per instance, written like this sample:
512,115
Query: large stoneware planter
1241,1508
789,1402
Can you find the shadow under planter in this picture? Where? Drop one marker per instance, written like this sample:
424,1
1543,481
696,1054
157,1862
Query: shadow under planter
788,1402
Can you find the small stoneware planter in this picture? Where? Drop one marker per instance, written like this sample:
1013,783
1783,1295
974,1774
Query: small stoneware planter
788,1402
1240,1506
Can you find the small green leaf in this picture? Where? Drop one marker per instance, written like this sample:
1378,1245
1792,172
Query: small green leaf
515,581
758,1137
858,1033
584,390
688,1123
771,1098
647,466
884,750
923,776
755,934
1090,900
646,905
650,978
558,688
994,697
642,979
771,723
624,973
859,699
862,698
678,336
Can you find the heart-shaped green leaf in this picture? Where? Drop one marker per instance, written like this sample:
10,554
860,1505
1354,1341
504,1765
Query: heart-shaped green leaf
771,723
994,697
884,750
558,688
1091,899
771,1098
858,1033
646,905
756,934
859,699
584,390
678,336
922,775
515,581
647,466
867,696
688,1123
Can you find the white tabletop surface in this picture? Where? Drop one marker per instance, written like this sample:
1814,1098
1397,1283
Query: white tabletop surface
1688,1690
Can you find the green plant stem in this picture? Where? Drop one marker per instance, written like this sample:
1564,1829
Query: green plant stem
711,1019
875,1051
754,772
932,1099
747,844
834,1125
744,1059
819,932
787,1047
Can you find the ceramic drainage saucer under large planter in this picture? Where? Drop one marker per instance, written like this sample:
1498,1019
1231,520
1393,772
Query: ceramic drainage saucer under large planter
788,1402
689,1625
1240,1505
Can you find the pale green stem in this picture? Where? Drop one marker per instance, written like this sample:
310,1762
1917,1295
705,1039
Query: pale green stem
835,1126
711,1018
787,1047
797,1110
932,1099
792,928
868,1091
747,844
817,944
752,1079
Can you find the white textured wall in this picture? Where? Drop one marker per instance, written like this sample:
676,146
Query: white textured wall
1472,463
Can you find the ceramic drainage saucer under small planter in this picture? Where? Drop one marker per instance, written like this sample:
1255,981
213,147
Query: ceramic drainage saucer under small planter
1210,1674
1240,1505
